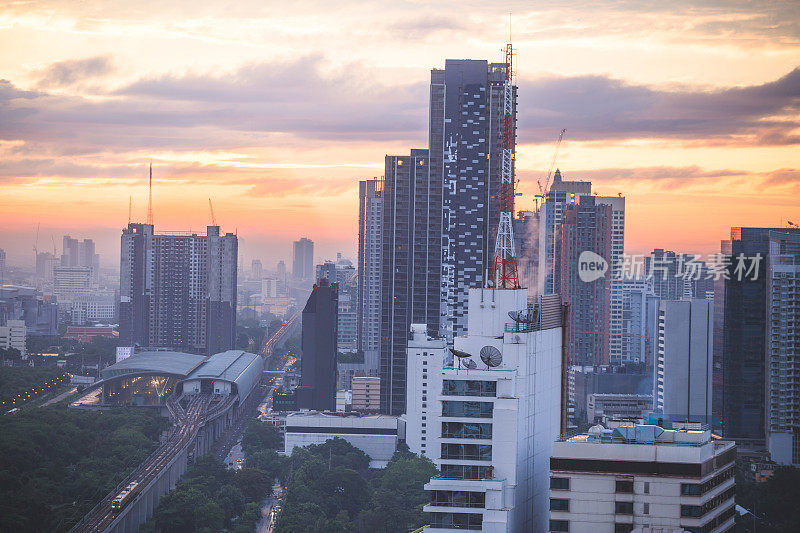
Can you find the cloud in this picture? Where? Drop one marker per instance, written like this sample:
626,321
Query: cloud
74,71
425,25
599,107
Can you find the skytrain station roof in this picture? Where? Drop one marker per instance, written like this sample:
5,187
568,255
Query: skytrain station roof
235,366
162,363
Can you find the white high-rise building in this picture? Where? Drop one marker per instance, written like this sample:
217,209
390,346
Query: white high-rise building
492,426
639,317
783,348
642,476
682,384
426,357
370,254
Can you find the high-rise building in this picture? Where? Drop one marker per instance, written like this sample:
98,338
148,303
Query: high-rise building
410,278
347,321
526,244
256,269
2,266
586,227
426,358
281,268
303,262
637,477
178,290
682,383
617,246
45,264
496,412
639,320
783,347
75,253
71,281
370,267
663,271
551,214
317,390
466,143
39,312
745,338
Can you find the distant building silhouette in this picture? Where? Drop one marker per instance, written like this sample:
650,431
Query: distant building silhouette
303,263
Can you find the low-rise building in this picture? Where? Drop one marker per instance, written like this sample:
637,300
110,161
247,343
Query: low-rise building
366,394
375,435
13,335
600,406
640,476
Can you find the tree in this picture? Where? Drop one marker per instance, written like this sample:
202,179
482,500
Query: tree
209,516
260,436
231,500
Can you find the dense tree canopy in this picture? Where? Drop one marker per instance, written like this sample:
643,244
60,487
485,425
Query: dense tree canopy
19,380
56,464
774,502
332,489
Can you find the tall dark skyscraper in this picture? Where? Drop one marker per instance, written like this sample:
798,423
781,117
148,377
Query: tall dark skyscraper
370,261
587,226
466,144
178,290
303,261
317,388
412,236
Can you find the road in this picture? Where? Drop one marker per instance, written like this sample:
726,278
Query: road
267,522
61,396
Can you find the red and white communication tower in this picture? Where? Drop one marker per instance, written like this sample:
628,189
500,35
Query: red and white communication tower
504,265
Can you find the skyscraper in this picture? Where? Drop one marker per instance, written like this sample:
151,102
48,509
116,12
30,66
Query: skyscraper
639,320
317,388
466,144
411,279
494,416
558,197
745,339
303,262
587,227
178,290
783,348
682,385
2,265
256,269
370,265
617,204
75,253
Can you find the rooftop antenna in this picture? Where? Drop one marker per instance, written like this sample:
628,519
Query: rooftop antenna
150,197
504,264
211,208
130,205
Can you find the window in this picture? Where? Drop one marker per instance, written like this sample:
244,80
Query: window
623,507
559,525
623,528
477,452
467,409
467,472
559,504
646,484
466,430
472,521
559,483
457,498
462,387
624,486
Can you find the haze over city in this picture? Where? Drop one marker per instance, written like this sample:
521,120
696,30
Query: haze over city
276,110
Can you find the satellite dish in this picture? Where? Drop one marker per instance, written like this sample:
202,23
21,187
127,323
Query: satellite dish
470,364
491,356
526,316
460,354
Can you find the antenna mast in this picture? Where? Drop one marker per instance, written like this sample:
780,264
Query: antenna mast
150,197
504,265
130,205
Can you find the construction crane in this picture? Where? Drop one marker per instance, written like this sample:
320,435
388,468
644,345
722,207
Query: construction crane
543,189
211,208
36,242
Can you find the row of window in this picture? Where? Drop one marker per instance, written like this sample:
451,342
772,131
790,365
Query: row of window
698,489
696,511
460,387
466,472
471,521
458,498
467,409
477,452
466,430
562,526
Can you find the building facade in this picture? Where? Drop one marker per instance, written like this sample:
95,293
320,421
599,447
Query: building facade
426,358
317,390
370,268
586,227
12,335
783,348
411,268
682,383
642,476
303,259
639,320
494,424
178,290
366,394
466,143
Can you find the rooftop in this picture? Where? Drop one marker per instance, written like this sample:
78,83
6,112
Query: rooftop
175,363
227,365
642,434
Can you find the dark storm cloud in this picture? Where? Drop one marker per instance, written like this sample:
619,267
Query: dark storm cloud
598,107
65,73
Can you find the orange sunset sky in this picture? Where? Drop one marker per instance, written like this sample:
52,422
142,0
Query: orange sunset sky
275,110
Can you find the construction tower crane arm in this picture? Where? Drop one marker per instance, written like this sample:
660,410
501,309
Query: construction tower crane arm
543,190
211,208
